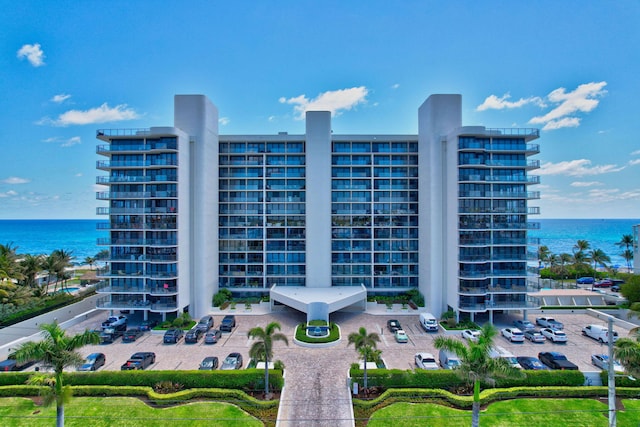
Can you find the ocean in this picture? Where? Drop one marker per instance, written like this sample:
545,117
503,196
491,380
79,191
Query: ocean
79,236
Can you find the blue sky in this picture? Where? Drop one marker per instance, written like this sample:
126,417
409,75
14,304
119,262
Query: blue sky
569,68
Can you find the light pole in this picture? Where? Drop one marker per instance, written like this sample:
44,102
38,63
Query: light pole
612,377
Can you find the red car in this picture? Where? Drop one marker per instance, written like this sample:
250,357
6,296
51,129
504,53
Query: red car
604,283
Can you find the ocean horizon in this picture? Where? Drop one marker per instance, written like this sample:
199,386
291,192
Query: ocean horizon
43,236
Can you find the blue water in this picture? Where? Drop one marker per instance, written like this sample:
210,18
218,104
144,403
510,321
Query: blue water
560,235
43,236
79,236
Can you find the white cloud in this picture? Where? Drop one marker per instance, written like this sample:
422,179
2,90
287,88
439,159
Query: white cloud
15,180
580,167
9,193
272,119
635,153
634,162
60,98
72,141
224,121
334,101
79,174
101,114
492,102
33,53
585,183
395,86
582,100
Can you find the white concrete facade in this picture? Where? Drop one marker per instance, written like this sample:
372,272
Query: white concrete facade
316,215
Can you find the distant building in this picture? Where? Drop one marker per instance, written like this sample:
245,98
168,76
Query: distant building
317,221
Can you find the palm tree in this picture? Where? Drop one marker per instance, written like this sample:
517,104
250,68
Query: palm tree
59,351
564,259
64,261
627,243
627,351
263,347
90,261
476,363
365,343
9,267
599,257
628,257
581,246
543,255
31,266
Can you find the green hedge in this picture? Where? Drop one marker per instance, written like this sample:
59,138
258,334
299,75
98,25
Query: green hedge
621,381
48,304
245,379
419,395
449,380
301,334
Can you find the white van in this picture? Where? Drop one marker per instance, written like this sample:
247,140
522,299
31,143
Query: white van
429,322
495,352
599,333
448,360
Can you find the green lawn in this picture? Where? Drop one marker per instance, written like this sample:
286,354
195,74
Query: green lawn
122,412
509,413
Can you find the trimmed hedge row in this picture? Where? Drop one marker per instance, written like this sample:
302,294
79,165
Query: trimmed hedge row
245,379
449,380
621,381
417,395
262,410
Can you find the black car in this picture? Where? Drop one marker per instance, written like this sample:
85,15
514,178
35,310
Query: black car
93,362
147,325
132,334
228,323
531,363
193,336
209,363
140,360
393,325
555,360
213,336
173,335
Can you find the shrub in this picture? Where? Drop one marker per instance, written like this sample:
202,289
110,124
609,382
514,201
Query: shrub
166,387
221,297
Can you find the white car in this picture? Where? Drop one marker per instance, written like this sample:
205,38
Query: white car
549,322
426,361
554,335
513,334
602,362
471,335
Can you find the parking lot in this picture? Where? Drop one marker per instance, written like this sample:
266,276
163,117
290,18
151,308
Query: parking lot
184,356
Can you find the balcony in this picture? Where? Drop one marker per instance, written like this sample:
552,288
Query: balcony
123,304
162,274
106,195
108,289
118,179
162,291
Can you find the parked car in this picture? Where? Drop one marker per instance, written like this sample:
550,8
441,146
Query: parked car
93,362
599,333
194,335
401,336
534,335
228,323
448,360
555,360
232,361
531,363
503,353
524,325
173,335
585,281
513,334
393,325
471,335
615,288
426,361
132,334
208,363
213,336
554,335
428,322
109,335
604,283
114,321
147,325
205,323
13,365
602,362
549,322
140,360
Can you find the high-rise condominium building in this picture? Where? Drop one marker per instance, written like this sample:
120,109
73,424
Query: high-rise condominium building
318,221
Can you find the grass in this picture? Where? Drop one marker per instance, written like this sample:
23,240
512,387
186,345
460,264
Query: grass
517,412
122,412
